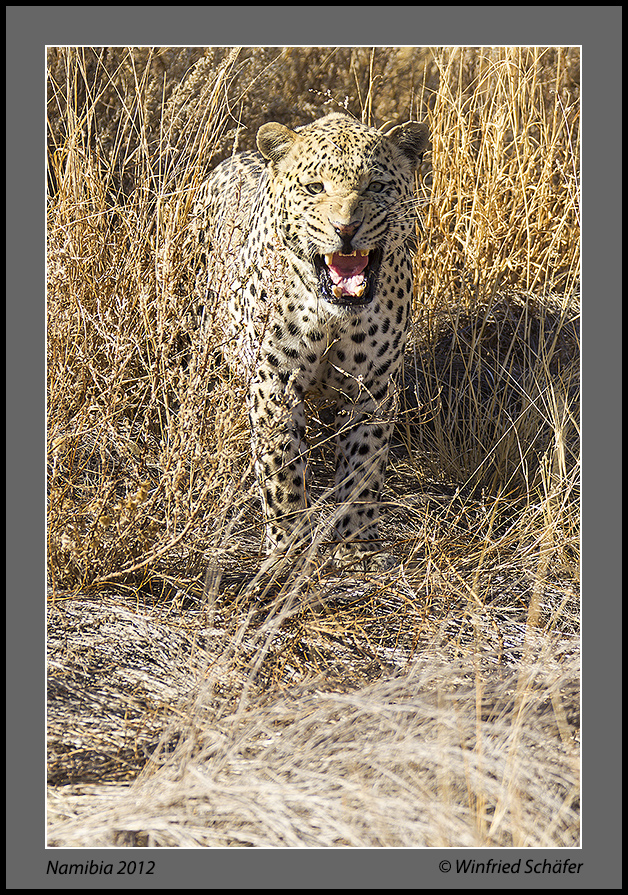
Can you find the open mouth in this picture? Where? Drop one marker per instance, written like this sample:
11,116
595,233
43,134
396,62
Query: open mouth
348,279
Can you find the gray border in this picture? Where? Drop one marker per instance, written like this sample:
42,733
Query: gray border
29,29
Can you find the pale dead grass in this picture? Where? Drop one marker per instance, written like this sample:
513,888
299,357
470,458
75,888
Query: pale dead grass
451,744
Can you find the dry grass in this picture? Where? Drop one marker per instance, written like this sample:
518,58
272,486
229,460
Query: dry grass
436,705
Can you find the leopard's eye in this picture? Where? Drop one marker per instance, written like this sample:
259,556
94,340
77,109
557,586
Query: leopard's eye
314,187
376,186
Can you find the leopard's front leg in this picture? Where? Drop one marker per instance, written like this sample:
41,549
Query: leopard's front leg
362,442
278,422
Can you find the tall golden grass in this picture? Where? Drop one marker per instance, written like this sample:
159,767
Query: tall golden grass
151,493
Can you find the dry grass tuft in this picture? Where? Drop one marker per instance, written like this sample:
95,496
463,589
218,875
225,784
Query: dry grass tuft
436,705
404,761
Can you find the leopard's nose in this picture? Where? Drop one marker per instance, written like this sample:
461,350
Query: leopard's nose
345,230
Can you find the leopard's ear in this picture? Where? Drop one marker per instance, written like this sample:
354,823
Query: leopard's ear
412,139
274,140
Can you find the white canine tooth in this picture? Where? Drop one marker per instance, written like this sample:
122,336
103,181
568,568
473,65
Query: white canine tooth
363,252
328,260
360,290
337,291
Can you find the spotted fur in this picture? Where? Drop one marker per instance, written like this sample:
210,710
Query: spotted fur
307,244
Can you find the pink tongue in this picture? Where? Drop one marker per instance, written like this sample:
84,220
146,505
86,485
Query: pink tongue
345,271
348,265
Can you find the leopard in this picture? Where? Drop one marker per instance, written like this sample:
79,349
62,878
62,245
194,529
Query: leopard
306,246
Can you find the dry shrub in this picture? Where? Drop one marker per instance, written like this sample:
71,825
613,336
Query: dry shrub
434,706
505,175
